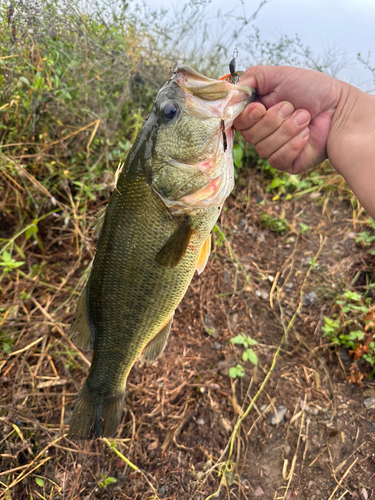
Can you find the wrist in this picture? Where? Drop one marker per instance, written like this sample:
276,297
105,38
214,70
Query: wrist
351,143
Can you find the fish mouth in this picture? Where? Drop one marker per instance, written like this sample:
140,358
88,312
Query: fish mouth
206,97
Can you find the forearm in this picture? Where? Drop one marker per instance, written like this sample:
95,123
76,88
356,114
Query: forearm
351,144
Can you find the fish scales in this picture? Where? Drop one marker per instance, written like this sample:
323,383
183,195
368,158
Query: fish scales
155,231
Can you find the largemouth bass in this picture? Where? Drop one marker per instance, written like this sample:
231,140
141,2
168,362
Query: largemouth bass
156,231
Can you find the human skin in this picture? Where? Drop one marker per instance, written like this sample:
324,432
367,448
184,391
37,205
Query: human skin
302,117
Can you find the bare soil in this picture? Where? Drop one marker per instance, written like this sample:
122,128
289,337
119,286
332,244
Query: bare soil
180,412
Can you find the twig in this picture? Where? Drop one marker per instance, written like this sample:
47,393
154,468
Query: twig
112,446
342,479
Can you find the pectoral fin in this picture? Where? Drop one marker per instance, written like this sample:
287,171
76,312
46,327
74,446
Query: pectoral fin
205,253
156,346
80,330
175,248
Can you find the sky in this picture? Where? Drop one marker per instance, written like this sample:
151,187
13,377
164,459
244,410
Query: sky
347,25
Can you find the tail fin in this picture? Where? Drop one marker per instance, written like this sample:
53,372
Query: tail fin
95,416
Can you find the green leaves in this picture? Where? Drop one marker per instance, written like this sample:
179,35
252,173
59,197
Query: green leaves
8,263
248,355
236,371
352,327
278,225
106,481
243,339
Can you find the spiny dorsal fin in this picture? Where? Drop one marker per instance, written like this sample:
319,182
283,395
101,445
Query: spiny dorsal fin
205,253
80,330
100,216
156,346
175,248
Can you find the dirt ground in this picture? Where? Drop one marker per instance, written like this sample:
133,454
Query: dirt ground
180,412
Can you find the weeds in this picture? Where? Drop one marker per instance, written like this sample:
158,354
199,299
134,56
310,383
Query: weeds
352,326
277,224
248,355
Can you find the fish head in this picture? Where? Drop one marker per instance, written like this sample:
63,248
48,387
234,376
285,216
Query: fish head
191,165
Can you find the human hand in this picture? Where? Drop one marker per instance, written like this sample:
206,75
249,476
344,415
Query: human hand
290,121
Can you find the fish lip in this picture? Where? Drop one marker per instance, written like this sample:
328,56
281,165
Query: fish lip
195,83
209,97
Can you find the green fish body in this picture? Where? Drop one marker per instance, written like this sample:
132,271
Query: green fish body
155,233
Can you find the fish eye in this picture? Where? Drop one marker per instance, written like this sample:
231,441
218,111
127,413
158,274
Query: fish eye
170,110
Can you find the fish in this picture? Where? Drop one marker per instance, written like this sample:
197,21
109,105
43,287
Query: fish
153,235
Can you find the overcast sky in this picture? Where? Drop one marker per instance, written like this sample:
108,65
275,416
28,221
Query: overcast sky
348,24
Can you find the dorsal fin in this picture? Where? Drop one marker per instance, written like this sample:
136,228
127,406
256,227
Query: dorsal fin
175,248
100,216
80,330
156,346
205,253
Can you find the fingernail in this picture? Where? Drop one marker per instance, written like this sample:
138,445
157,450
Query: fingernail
255,114
301,118
304,132
286,110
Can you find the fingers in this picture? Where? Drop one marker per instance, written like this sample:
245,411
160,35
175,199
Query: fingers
289,128
279,134
249,116
286,157
269,123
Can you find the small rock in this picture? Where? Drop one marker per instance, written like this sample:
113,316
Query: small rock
121,477
258,492
271,278
263,294
266,470
315,195
287,449
250,230
242,223
200,421
233,320
275,418
225,422
343,353
215,387
308,299
313,411
369,402
162,491
352,235
261,238
289,285
217,346
363,494
227,277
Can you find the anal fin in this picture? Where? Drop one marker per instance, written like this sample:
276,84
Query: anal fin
156,346
205,253
175,248
80,330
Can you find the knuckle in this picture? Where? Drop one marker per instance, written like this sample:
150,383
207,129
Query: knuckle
262,150
288,129
294,147
248,135
284,157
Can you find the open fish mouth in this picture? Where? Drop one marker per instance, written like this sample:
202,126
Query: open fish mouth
209,98
214,98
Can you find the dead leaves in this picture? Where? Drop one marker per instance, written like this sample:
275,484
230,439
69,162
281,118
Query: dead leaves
356,376
369,319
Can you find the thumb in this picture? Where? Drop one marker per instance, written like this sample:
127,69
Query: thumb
266,79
